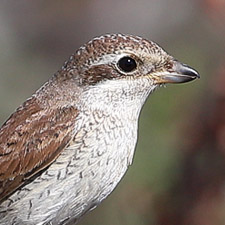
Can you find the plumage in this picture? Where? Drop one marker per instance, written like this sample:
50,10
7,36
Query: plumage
31,140
67,147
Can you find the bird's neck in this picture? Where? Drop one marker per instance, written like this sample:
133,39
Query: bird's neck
124,97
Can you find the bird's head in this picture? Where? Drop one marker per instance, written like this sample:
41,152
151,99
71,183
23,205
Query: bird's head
125,65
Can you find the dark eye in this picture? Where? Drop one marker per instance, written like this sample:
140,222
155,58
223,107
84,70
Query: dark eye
127,64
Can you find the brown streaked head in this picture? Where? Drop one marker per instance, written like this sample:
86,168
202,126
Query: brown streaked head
118,56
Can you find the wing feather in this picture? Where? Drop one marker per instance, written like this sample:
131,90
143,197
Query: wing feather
30,140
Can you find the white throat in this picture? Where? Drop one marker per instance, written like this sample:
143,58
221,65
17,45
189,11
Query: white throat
124,95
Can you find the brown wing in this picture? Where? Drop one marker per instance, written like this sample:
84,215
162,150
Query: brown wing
30,140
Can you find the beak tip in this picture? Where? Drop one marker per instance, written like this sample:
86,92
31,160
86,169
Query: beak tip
187,71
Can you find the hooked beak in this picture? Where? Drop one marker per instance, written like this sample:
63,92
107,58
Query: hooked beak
181,73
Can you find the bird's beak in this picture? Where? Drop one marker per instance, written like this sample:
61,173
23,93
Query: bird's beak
180,73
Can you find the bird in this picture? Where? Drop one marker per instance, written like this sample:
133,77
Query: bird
66,148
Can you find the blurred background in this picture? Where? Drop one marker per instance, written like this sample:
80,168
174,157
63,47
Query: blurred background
178,173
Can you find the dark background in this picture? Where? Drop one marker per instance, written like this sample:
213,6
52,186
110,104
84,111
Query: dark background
178,174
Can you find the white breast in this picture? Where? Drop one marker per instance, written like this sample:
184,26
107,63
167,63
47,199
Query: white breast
92,165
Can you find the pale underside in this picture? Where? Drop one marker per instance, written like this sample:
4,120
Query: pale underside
86,171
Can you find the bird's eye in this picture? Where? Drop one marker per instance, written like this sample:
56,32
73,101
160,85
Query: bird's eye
127,64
